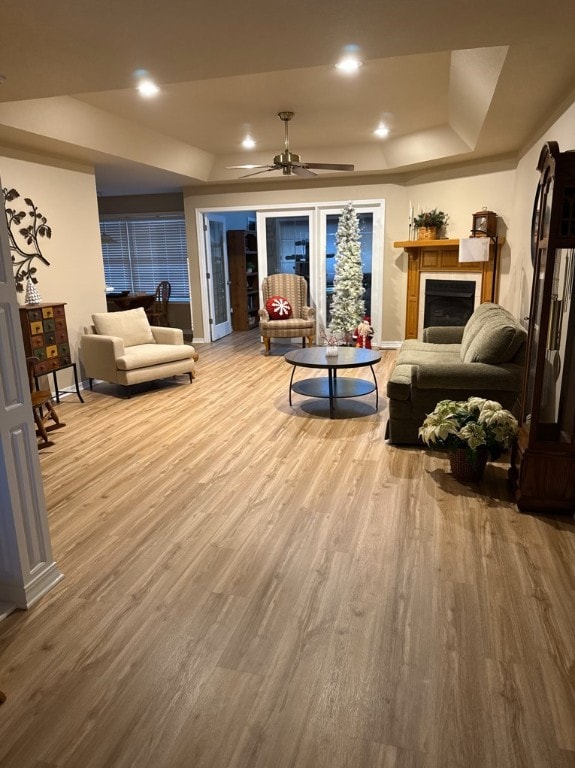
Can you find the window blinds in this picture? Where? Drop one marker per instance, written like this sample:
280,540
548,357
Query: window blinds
140,252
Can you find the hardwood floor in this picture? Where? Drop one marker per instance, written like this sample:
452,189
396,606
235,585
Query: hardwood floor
250,585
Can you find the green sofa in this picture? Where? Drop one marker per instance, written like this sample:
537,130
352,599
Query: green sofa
484,358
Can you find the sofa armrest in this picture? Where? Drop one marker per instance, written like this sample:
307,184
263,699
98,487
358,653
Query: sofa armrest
469,376
164,335
443,334
99,355
264,314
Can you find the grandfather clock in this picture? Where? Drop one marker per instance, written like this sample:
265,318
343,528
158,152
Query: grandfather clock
543,461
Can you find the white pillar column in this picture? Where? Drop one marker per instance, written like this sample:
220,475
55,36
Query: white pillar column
27,568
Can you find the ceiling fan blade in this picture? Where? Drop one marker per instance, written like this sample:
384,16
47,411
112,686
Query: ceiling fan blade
302,170
265,169
330,166
245,167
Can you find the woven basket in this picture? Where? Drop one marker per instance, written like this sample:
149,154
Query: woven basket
427,233
468,466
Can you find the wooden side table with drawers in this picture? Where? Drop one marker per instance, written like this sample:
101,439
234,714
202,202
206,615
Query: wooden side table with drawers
46,338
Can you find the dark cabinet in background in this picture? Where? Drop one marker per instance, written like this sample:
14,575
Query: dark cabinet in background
244,283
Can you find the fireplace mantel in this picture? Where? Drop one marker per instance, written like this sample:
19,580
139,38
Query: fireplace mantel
443,256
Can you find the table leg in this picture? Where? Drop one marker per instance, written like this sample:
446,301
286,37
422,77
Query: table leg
55,378
290,382
376,390
330,380
77,383
56,390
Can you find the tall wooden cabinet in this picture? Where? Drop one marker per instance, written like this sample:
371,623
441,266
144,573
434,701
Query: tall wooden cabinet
244,282
543,461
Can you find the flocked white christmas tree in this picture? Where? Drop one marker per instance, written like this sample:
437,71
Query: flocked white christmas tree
347,304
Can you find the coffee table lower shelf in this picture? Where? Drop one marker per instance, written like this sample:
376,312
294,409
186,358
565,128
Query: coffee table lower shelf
342,387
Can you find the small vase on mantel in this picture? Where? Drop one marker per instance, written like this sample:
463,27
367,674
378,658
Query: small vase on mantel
31,296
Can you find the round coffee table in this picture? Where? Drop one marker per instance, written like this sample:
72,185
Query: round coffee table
333,386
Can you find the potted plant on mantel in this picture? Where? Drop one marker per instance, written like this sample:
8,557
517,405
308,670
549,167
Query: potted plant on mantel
430,223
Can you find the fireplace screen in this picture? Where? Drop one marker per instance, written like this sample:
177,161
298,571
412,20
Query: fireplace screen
448,302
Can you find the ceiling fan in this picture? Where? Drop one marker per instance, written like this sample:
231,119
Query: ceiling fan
288,162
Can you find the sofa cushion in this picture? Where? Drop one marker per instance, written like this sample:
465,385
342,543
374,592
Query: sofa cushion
496,342
414,352
484,313
131,326
145,355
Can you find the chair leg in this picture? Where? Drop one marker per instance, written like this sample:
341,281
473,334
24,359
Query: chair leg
191,377
54,416
267,345
91,382
310,340
41,431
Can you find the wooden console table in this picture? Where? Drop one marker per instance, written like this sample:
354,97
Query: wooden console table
443,256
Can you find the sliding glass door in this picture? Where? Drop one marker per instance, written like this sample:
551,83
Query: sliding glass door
302,241
285,242
369,217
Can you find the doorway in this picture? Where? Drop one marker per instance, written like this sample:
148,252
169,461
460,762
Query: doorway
217,276
301,239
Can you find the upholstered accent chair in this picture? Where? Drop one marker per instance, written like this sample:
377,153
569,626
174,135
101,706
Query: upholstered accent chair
123,348
302,321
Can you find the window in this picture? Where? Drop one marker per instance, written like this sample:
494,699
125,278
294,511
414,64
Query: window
140,252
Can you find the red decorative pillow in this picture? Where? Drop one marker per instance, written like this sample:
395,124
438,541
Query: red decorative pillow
278,308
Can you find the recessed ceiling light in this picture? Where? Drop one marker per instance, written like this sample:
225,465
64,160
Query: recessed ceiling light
248,143
382,131
148,88
349,64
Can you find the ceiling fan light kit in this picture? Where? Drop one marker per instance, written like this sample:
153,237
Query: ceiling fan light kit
289,162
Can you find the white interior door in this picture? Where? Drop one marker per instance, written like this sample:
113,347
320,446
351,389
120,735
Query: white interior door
217,276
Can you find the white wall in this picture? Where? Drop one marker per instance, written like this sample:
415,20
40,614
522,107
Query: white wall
526,177
459,196
67,197
396,227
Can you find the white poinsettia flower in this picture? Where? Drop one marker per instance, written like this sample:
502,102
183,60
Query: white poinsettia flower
473,434
502,417
491,405
477,402
437,428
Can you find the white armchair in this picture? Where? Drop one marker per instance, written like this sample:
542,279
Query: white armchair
123,348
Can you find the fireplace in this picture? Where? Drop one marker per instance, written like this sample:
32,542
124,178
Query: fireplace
438,259
448,302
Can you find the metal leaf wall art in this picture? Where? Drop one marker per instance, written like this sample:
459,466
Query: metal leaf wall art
25,229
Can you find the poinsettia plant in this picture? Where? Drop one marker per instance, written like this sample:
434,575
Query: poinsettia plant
433,218
472,424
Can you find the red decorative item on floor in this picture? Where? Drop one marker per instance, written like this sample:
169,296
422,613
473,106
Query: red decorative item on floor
363,334
278,308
